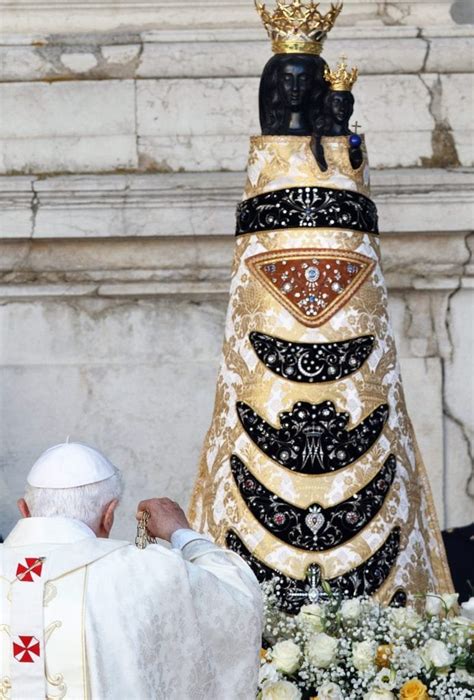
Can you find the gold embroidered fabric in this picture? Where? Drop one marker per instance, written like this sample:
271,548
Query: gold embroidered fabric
287,161
259,304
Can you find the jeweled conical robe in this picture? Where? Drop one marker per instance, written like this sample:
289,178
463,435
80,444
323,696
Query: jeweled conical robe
310,469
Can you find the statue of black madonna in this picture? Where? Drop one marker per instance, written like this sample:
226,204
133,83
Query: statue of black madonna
309,386
292,91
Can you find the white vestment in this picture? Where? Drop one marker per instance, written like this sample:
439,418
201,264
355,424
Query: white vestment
119,623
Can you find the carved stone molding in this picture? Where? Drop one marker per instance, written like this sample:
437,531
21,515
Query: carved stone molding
191,204
220,52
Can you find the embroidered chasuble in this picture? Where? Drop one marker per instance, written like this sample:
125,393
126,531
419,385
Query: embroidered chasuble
310,469
87,618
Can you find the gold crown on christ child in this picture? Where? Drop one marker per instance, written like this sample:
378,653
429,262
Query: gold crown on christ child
296,27
341,78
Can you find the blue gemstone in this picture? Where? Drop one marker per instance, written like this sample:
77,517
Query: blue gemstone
312,297
355,140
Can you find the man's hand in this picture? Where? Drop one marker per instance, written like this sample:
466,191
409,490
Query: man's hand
165,517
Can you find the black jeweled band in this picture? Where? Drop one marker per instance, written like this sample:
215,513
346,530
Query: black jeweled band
308,207
312,362
315,528
364,579
313,438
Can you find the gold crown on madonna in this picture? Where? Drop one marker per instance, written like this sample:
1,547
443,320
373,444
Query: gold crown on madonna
341,78
297,27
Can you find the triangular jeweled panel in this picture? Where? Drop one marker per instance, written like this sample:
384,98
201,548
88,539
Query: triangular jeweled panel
311,283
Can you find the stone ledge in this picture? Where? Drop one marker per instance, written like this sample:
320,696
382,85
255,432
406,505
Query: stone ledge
189,268
110,15
203,124
194,204
224,52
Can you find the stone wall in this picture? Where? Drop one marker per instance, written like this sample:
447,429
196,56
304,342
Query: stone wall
124,134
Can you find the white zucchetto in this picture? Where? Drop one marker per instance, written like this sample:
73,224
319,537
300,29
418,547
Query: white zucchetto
69,464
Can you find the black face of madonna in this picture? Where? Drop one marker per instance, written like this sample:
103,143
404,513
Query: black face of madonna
296,82
340,107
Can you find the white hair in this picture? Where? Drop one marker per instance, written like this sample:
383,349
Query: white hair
85,503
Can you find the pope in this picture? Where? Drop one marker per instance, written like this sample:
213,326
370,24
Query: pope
86,616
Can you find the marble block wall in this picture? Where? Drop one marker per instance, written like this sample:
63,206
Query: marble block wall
123,137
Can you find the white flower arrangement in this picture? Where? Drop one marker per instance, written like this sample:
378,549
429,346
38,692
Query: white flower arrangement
357,649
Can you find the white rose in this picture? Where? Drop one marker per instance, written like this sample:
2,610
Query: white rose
310,617
435,653
350,609
433,604
281,690
450,599
461,631
267,672
379,694
464,676
412,619
286,656
404,618
330,691
467,608
363,655
464,622
321,650
464,625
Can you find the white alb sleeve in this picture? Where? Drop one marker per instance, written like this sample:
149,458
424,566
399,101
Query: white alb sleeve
180,538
